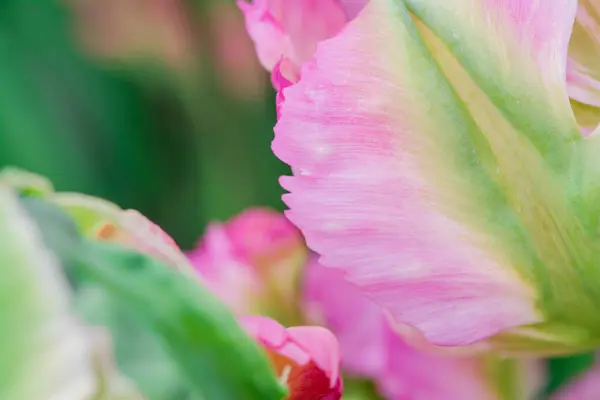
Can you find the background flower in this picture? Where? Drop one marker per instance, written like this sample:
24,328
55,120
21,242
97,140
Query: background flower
253,263
306,357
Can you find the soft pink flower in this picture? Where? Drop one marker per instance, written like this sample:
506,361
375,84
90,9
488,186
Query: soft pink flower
371,348
284,75
252,262
306,357
233,280
261,234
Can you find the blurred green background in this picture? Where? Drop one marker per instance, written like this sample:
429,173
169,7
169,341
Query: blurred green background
157,105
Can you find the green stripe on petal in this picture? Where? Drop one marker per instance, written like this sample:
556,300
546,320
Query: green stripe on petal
549,233
539,151
583,67
515,50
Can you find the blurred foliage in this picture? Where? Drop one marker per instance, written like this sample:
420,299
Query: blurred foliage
178,144
209,354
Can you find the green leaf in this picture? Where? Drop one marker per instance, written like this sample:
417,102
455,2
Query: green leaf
199,333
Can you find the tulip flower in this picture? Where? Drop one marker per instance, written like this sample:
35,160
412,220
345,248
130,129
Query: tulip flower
252,263
306,357
438,162
371,348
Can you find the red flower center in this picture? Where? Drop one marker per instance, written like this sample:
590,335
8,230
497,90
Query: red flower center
304,382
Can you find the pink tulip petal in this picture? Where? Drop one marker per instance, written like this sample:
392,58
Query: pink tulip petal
400,370
230,278
371,197
252,262
322,346
259,231
414,374
353,7
301,343
266,329
290,29
265,31
411,374
284,75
